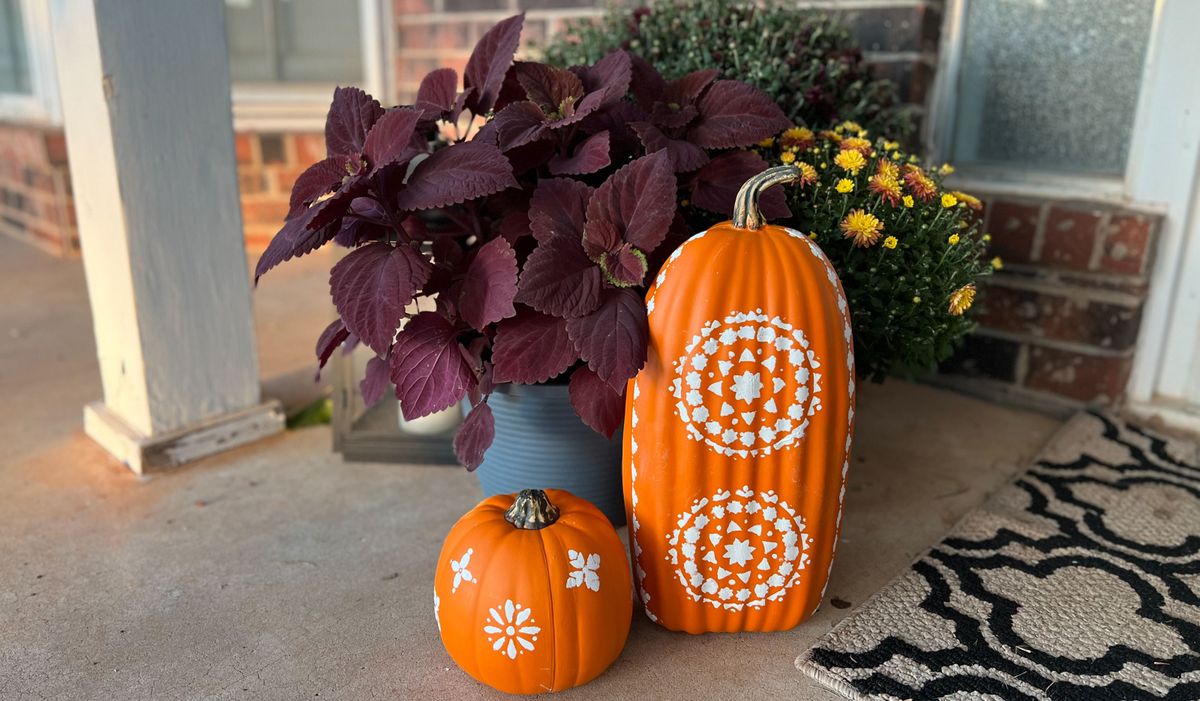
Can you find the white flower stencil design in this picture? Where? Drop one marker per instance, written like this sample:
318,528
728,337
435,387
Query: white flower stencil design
584,573
461,573
511,631
437,606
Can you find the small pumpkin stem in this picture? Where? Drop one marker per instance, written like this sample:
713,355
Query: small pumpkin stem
745,207
531,510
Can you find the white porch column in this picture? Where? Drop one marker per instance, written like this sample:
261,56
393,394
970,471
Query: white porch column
146,105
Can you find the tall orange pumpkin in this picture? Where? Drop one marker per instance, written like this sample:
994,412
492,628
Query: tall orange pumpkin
737,430
532,592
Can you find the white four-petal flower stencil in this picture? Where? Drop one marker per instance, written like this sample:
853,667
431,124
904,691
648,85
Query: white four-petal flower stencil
461,573
511,629
584,573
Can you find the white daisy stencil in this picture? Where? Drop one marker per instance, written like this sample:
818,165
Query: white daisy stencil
584,573
511,630
461,573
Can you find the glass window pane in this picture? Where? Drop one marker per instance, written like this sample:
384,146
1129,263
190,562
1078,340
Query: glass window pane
14,62
1050,84
319,40
248,39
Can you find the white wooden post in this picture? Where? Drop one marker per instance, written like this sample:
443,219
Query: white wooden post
146,105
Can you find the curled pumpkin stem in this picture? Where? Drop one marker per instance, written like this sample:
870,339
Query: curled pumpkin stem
746,214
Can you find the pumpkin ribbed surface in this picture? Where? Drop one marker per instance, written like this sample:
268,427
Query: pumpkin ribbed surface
737,433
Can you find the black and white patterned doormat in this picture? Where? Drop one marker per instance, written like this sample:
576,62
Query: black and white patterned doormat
1079,580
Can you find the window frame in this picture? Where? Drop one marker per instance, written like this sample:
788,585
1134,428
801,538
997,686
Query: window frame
278,106
938,132
41,105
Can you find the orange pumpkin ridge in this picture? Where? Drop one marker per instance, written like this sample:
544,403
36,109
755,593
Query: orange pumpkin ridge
532,592
738,428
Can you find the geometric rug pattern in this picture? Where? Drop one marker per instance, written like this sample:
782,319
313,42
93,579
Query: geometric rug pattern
1078,580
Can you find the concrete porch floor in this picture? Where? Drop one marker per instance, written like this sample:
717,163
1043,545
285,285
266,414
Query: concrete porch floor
279,572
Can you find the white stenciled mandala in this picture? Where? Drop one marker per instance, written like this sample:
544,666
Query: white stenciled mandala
739,549
747,384
511,629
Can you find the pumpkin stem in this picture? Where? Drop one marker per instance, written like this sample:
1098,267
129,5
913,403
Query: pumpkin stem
745,207
531,511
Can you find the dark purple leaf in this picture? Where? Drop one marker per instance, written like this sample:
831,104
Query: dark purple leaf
516,125
623,267
639,200
734,114
531,348
490,285
600,407
355,232
613,338
375,382
716,185
489,62
514,226
552,89
475,435
687,89
685,156
319,179
388,141
330,339
372,285
307,231
351,116
456,174
558,208
437,93
602,237
646,83
429,366
589,157
611,75
558,279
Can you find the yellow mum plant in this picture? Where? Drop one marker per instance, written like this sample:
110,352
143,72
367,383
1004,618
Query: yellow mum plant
908,250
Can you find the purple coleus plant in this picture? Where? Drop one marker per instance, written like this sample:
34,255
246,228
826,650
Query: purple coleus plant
530,240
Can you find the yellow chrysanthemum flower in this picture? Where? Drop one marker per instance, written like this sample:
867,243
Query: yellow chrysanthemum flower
970,200
857,144
948,200
896,156
953,240
808,174
916,300
891,242
861,227
997,263
888,169
987,238
887,188
946,169
767,142
908,201
962,299
845,185
812,235
919,183
850,126
890,145
787,157
850,161
797,138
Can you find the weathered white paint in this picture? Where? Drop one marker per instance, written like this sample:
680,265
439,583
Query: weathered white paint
1165,167
146,103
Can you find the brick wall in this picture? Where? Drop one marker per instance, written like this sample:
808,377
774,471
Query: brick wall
268,164
1061,319
35,188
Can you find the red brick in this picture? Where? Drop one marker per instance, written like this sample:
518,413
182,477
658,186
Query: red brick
264,211
408,7
1013,227
1086,378
56,147
243,146
251,182
310,148
1069,238
1126,244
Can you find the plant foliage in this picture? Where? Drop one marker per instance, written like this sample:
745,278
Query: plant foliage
805,60
531,206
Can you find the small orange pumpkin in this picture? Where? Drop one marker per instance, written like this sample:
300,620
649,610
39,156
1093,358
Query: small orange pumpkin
737,430
533,593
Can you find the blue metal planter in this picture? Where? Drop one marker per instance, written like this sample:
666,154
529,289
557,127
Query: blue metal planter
541,443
